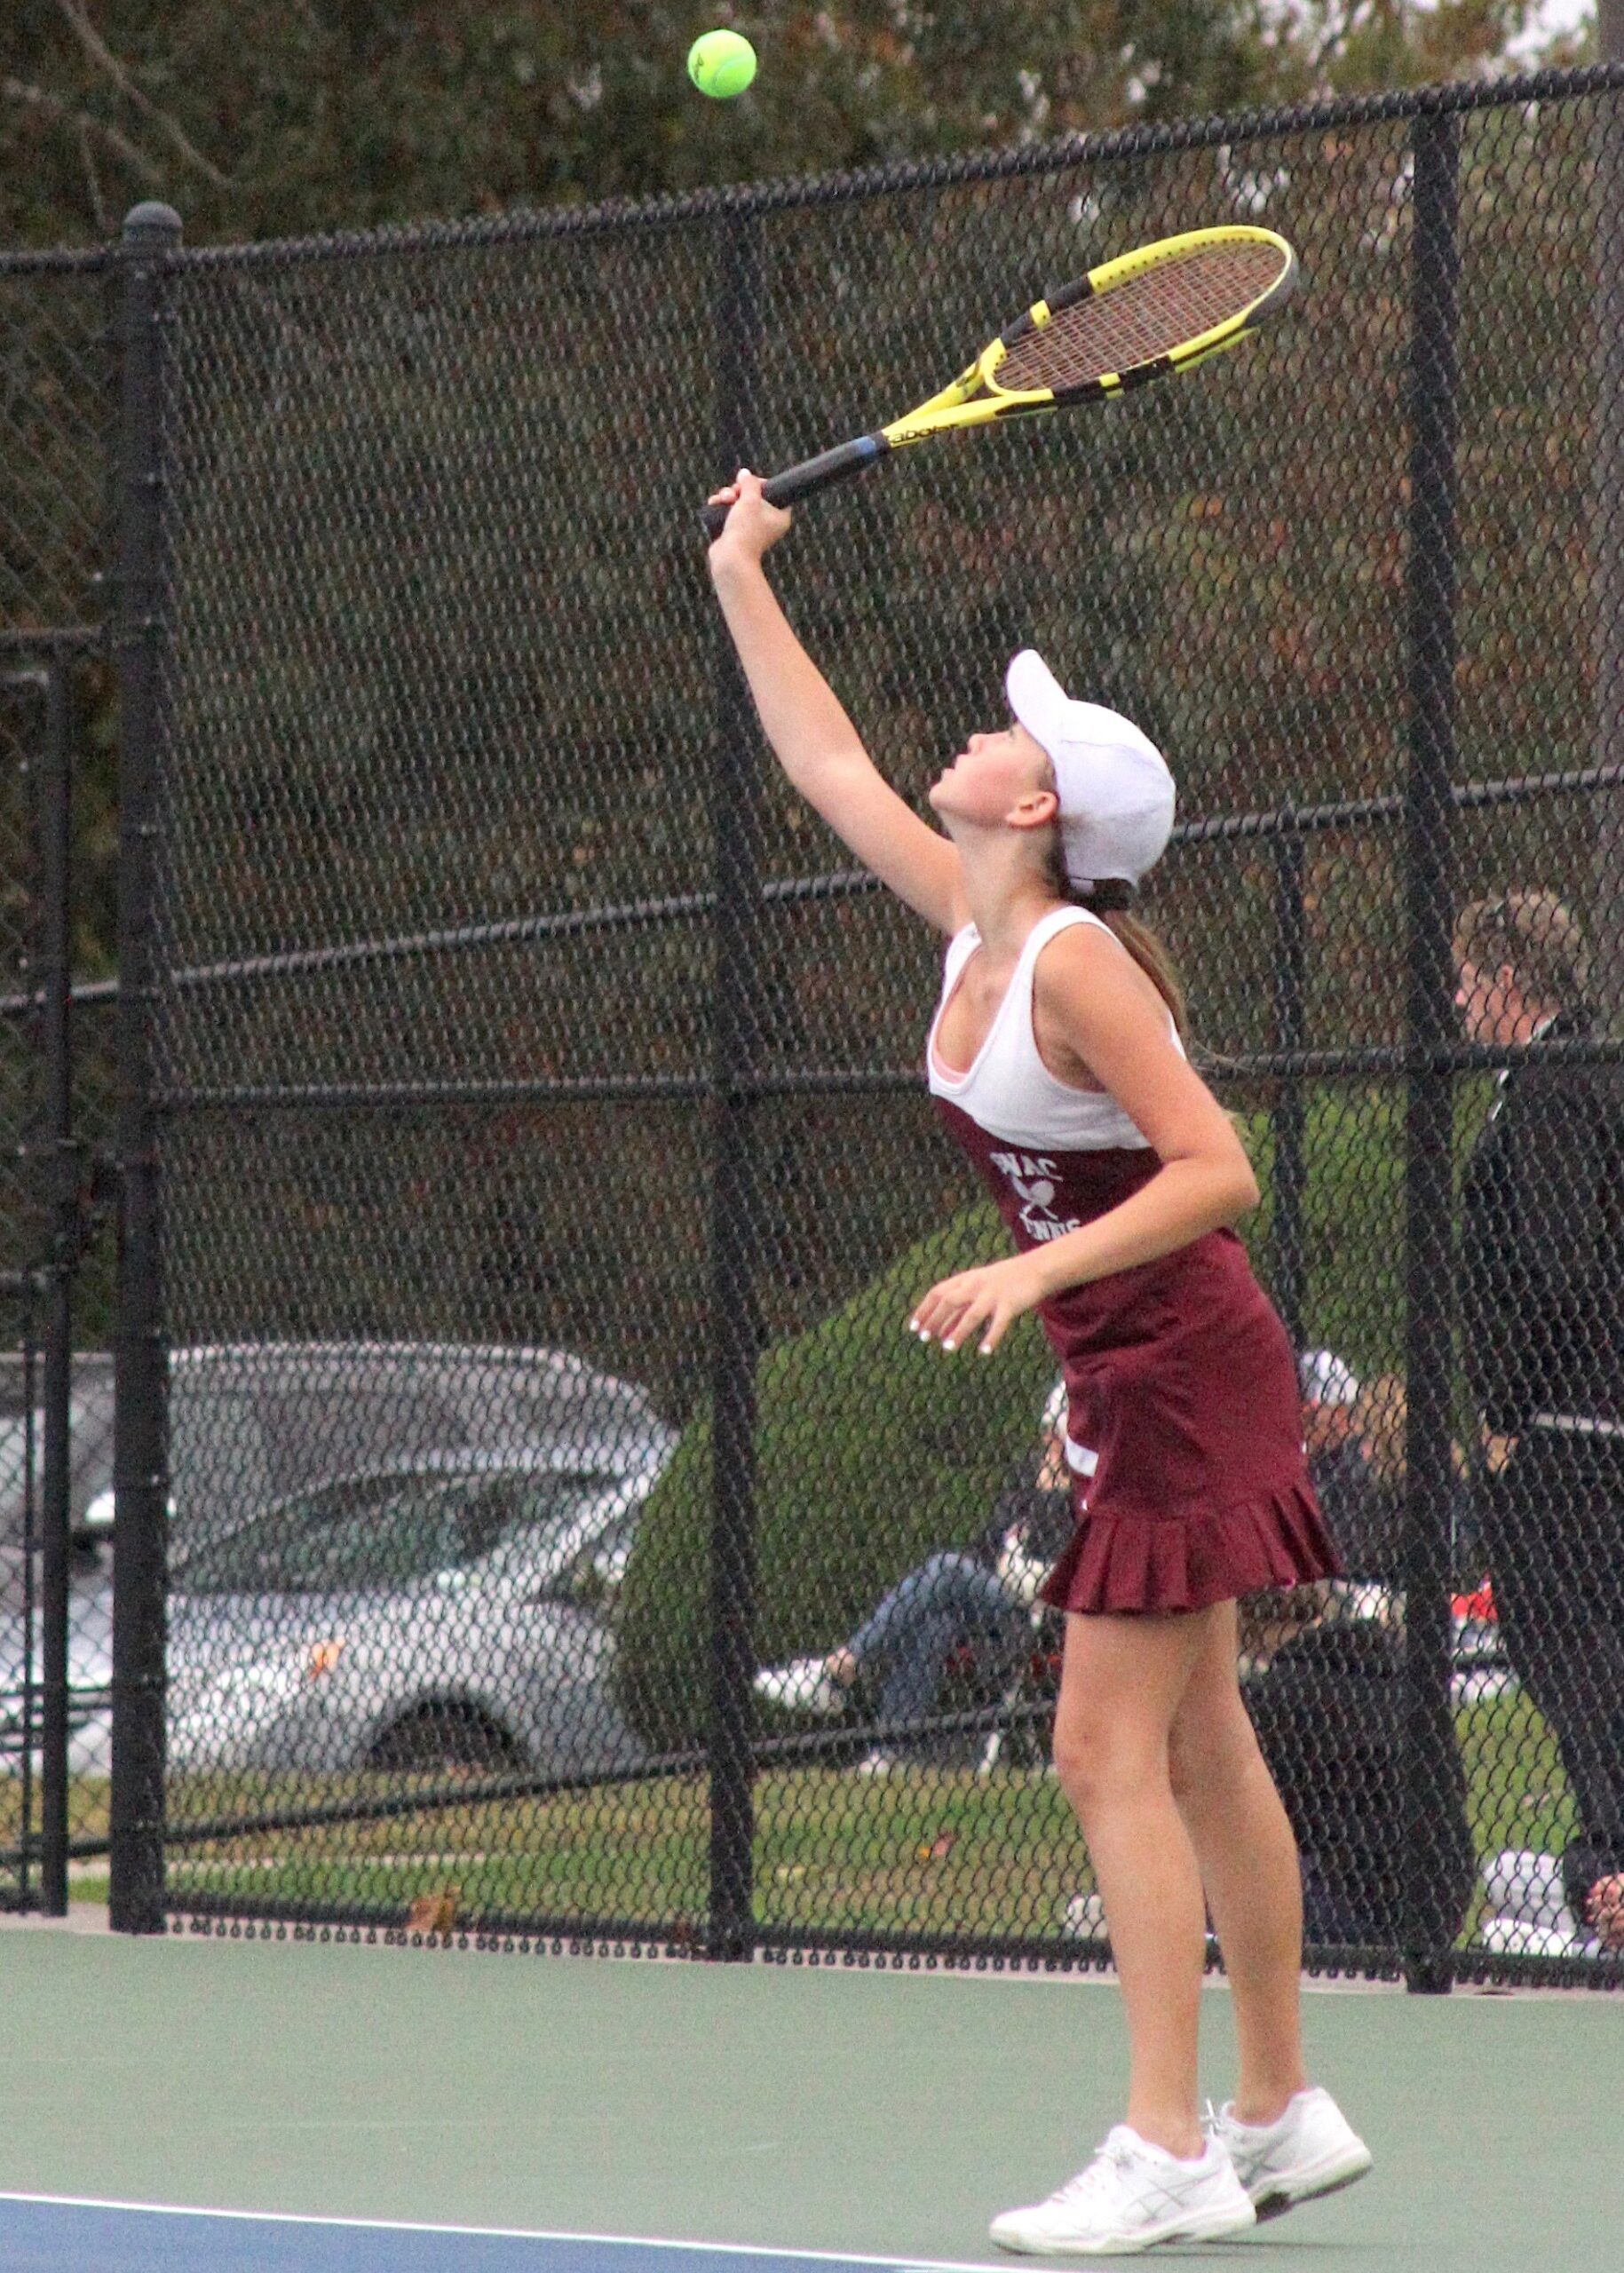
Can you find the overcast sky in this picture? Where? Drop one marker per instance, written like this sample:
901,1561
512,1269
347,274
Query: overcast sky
1555,16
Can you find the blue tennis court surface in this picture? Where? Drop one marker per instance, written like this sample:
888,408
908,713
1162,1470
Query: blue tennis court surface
40,2233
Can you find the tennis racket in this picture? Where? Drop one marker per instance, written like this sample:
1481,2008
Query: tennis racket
1164,308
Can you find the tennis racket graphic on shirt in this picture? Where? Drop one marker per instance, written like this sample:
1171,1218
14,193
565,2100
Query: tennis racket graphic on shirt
1143,316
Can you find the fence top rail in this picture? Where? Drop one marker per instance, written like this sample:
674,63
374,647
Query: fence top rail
62,260
22,639
745,201
1286,823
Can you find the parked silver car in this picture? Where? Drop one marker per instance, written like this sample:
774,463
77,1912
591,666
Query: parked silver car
251,1423
380,1554
449,1615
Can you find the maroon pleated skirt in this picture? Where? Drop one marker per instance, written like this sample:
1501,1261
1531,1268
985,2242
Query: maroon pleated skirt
1182,1380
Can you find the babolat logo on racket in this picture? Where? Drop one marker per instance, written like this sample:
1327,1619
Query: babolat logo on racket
1163,309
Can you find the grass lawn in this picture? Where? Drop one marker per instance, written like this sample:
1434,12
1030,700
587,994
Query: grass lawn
931,1850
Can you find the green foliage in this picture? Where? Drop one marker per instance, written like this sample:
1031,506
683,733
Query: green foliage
1353,1212
350,113
1352,1220
871,1449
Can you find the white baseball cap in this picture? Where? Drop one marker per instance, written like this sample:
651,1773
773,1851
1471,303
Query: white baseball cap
1324,1379
1116,793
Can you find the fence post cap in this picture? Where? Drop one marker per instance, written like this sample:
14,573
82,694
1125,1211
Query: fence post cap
152,223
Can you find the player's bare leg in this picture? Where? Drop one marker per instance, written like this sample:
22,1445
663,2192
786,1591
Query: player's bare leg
1121,1683
1248,1867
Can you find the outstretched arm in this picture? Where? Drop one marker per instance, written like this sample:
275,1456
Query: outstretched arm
812,737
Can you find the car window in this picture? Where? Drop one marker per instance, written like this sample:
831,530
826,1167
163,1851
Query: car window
536,1512
382,1533
22,1459
346,1539
312,1431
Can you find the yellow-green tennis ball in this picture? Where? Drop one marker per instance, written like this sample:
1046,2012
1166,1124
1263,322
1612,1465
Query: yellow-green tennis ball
721,64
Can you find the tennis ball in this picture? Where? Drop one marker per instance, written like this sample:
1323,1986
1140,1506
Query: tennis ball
721,64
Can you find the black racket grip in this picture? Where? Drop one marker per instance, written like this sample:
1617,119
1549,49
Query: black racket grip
812,474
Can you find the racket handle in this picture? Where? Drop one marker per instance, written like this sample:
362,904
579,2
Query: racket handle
803,481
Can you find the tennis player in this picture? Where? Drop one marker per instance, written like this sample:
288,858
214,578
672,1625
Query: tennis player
1057,1061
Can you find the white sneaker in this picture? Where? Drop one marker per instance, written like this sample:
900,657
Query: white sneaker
1131,2197
805,1685
1523,1883
1310,2150
875,1763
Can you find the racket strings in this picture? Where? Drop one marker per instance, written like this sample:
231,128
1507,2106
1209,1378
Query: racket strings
1148,316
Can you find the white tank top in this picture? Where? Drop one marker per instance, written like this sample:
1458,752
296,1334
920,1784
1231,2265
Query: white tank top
1009,1090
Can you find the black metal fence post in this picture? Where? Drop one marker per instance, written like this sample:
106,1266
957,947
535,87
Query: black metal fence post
151,233
23,1284
55,980
1429,1102
1290,1116
734,1326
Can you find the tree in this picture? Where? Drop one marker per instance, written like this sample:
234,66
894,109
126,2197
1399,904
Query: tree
344,113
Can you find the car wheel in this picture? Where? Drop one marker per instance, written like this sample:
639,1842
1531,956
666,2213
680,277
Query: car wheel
444,1736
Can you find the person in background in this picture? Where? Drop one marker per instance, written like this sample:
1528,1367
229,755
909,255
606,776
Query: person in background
980,1594
1543,1314
1380,1418
1339,1461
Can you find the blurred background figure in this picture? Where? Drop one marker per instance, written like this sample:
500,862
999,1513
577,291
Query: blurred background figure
978,1597
1381,1417
1542,1300
1339,1463
1325,1688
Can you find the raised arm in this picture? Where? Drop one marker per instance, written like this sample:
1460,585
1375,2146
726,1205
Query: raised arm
812,737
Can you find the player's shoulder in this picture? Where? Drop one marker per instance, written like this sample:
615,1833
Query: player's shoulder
1088,956
1079,941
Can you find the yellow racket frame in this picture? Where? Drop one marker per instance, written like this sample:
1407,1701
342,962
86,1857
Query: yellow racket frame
976,398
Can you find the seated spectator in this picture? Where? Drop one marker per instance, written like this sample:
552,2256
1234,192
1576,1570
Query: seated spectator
981,1594
1325,1688
1339,1461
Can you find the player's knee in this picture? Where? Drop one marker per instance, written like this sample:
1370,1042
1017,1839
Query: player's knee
1095,1758
1211,1756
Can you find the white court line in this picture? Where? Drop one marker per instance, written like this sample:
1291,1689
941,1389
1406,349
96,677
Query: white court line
497,2233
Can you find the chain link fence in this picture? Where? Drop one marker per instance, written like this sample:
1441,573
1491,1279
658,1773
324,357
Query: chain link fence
537,1522
57,1278
56,1410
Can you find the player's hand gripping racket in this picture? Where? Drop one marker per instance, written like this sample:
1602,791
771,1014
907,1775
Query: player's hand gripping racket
1161,309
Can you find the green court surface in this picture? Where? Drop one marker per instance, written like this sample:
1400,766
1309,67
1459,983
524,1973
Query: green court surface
824,2108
